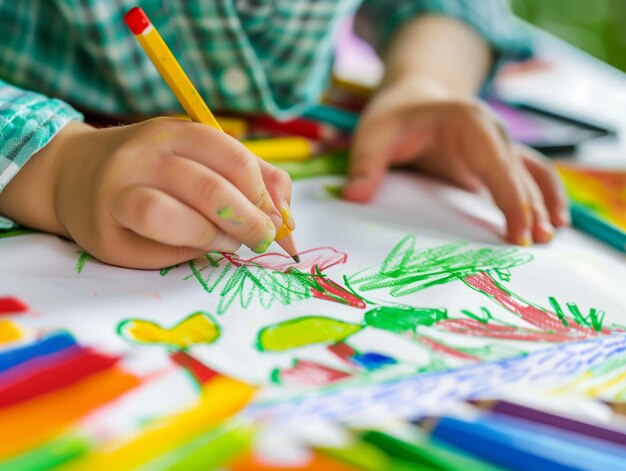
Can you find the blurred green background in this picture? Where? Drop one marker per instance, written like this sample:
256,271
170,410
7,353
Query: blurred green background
595,26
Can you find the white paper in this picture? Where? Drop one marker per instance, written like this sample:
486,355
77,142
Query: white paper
41,270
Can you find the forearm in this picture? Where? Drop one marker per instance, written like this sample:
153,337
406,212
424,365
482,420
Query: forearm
441,50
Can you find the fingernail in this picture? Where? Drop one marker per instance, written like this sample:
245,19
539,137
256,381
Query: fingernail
526,240
287,216
267,240
547,231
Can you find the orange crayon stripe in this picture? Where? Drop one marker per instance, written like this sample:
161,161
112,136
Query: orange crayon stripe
35,421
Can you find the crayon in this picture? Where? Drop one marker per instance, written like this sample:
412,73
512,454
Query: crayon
298,126
522,412
221,397
291,149
515,444
424,451
341,119
333,163
587,221
189,98
236,127
49,455
40,348
208,451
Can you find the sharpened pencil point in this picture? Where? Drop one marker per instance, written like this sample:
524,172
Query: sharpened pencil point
296,258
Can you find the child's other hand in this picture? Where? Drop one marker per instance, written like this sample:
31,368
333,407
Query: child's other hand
418,123
153,194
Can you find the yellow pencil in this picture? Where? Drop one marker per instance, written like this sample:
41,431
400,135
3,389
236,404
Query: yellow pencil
189,98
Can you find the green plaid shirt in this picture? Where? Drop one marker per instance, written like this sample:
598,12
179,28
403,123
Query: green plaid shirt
272,56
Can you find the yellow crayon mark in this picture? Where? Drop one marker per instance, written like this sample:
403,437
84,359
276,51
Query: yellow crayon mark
198,328
573,384
596,390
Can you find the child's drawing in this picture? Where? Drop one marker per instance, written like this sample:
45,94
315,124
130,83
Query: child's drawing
198,328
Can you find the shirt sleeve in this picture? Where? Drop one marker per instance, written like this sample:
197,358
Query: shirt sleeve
376,21
28,121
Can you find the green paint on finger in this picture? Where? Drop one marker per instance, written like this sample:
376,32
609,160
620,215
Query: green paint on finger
304,331
228,213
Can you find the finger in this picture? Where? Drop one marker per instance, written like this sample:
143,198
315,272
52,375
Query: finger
550,185
500,169
157,216
279,186
542,230
227,157
454,170
215,198
128,249
369,160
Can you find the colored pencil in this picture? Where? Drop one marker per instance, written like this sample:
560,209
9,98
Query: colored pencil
38,349
290,149
586,220
333,163
515,444
422,450
221,398
298,126
49,455
344,120
189,98
236,127
522,412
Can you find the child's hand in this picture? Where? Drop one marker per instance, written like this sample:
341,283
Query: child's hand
151,194
418,123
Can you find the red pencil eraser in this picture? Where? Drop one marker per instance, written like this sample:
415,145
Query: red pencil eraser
136,20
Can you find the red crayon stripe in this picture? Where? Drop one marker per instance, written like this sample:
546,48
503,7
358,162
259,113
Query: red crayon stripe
11,305
298,126
202,373
57,372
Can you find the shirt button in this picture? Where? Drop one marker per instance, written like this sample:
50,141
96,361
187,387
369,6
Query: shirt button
235,81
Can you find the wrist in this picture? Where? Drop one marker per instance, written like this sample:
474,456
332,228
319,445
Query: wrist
29,198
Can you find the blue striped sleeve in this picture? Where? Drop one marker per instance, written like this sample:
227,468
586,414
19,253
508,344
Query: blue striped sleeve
28,121
377,20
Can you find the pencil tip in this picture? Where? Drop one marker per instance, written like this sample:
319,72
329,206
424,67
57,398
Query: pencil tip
296,258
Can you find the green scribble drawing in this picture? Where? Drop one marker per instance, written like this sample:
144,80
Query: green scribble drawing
407,270
245,283
303,332
236,282
82,259
164,271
